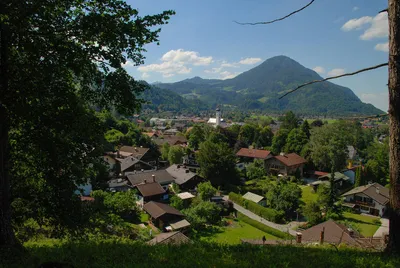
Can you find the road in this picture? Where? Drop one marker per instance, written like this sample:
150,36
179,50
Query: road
281,227
383,229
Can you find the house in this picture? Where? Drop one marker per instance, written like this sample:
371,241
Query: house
179,225
162,215
150,191
118,185
171,140
255,198
110,159
186,179
248,155
131,163
144,154
170,238
186,198
372,199
151,135
340,180
313,175
160,176
285,164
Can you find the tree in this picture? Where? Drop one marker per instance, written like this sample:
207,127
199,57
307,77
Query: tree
305,127
206,190
295,141
279,140
358,179
265,137
202,213
165,151
256,170
175,154
196,136
312,212
57,57
176,202
248,134
284,196
317,123
289,121
217,163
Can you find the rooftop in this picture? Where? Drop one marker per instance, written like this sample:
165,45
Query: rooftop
291,159
150,189
175,238
375,191
137,152
253,153
157,210
180,173
161,176
185,195
253,197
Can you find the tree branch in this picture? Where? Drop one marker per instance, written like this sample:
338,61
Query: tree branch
334,77
272,21
382,11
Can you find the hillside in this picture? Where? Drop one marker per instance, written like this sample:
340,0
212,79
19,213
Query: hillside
161,100
260,88
132,254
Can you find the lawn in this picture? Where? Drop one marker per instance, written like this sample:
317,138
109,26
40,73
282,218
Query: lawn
232,233
308,194
144,217
363,223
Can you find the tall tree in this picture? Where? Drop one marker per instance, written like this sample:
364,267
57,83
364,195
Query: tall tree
289,121
295,141
306,128
58,56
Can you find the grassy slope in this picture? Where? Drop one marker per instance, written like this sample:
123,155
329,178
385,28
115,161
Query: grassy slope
130,254
364,223
308,194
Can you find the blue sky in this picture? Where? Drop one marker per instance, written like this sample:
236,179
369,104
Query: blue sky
330,37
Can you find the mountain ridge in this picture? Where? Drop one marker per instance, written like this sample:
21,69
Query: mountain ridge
260,88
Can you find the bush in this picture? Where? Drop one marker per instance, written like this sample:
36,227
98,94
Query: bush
376,221
263,227
266,213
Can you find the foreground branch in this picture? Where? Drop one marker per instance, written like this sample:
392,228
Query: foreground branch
334,77
272,21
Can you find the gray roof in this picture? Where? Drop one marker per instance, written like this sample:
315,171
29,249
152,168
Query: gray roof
375,191
180,224
130,161
175,238
253,197
156,209
150,189
117,183
161,176
181,174
338,176
137,152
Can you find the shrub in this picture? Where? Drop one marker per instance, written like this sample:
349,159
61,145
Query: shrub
376,221
266,213
263,227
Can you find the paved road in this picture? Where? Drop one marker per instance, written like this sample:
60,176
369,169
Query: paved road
384,229
281,227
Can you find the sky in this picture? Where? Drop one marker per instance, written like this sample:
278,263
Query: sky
330,37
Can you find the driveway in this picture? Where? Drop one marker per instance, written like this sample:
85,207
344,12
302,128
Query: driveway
384,229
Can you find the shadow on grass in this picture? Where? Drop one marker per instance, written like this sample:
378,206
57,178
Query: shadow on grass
209,231
111,253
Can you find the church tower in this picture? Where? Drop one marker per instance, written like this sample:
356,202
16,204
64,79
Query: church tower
217,117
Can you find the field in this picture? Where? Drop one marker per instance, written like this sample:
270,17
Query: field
363,223
232,233
308,194
126,253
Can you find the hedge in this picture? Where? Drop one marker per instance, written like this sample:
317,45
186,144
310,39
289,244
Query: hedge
266,213
264,228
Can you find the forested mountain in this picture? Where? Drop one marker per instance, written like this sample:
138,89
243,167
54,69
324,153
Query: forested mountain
260,88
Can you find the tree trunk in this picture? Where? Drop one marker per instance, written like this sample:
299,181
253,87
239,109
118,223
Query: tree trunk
394,125
6,232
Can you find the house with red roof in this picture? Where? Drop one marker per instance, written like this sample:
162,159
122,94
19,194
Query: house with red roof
251,154
285,164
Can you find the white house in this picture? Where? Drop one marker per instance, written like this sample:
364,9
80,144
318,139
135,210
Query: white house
372,199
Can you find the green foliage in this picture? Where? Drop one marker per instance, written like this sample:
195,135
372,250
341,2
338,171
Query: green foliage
377,166
265,137
279,140
195,137
206,190
121,203
305,127
256,170
266,213
176,202
248,134
312,212
295,141
217,163
284,197
358,180
263,227
175,154
289,121
203,213
165,151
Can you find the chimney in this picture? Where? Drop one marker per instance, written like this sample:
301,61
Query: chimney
136,149
154,177
282,154
322,236
385,239
187,170
377,190
145,181
298,238
178,166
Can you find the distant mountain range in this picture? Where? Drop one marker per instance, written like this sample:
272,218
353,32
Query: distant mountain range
260,89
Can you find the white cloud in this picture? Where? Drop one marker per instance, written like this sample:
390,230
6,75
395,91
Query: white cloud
190,57
128,63
145,75
380,100
336,71
168,75
356,24
229,65
213,70
379,27
249,61
382,47
319,69
355,8
164,68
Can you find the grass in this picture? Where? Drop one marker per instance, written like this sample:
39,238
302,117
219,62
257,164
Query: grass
232,233
144,217
308,195
363,223
125,253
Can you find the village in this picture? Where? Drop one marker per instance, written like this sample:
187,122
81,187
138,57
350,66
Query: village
178,204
